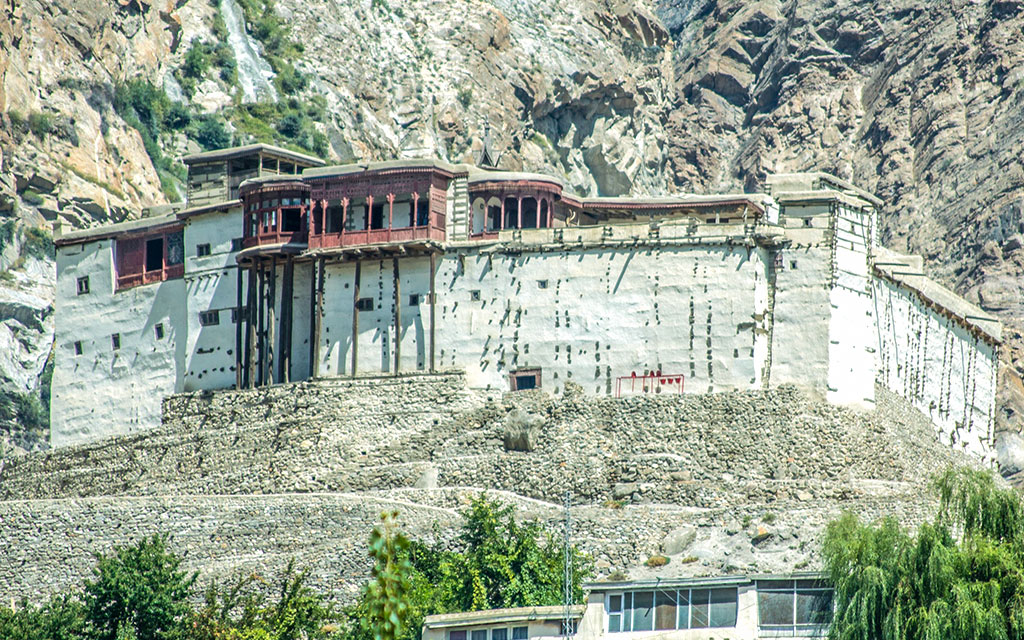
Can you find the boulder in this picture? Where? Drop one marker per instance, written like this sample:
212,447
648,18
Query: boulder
678,541
522,431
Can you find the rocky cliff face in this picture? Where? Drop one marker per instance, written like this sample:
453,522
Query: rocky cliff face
916,101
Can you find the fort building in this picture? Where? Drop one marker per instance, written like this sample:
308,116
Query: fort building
281,269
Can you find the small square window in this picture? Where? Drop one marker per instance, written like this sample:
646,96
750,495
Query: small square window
159,331
115,341
236,244
474,295
239,314
414,300
524,379
202,250
78,347
209,318
542,284
807,222
83,285
792,264
364,304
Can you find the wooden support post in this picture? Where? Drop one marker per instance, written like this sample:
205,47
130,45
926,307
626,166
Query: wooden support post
287,311
271,321
355,319
398,315
433,306
261,328
519,213
238,327
319,318
250,329
312,320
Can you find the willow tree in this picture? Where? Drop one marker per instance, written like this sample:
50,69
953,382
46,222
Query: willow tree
958,577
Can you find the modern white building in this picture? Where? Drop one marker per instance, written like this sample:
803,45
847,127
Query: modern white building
741,607
280,269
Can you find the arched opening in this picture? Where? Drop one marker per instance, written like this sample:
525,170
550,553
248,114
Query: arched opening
511,213
479,216
493,214
529,213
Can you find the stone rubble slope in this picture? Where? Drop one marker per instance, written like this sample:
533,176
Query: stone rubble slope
729,482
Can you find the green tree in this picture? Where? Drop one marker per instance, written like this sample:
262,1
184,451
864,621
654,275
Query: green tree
139,591
961,576
388,593
61,618
500,563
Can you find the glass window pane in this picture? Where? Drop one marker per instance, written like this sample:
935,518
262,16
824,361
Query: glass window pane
520,633
499,634
684,610
457,635
613,622
665,610
723,608
643,611
775,608
813,607
479,634
614,604
627,611
699,609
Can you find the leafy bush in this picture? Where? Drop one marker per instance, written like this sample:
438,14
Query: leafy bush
211,134
39,243
18,122
196,61
61,617
32,197
23,409
40,124
657,561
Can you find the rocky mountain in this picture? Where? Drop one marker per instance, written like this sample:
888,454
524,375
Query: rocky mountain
917,101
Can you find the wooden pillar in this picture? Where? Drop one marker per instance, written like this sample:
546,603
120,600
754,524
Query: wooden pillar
344,214
519,213
398,315
369,213
238,327
312,320
287,311
261,329
271,321
433,307
250,329
501,218
319,318
415,209
355,319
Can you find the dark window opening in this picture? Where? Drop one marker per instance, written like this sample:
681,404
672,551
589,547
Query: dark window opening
236,244
792,264
543,221
511,213
334,216
525,379
529,213
291,220
807,222
83,285
209,318
115,341
414,300
364,304
239,314
493,217
154,254
158,329
422,212
520,633
377,216
474,295
78,347
175,248
202,250
542,284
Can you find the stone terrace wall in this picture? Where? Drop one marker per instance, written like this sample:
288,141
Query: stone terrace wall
246,480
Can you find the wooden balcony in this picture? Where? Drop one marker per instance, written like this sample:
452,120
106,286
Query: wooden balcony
170,272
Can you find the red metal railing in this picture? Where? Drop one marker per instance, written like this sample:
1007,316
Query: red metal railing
169,272
654,382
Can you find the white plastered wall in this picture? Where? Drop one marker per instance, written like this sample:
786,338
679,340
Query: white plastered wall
933,361
104,392
211,283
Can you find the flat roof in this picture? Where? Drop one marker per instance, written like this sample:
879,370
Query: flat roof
905,271
706,581
109,231
498,616
224,205
387,165
249,149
